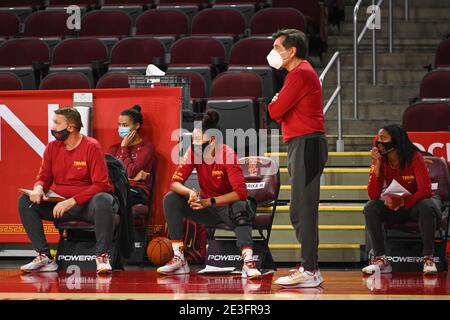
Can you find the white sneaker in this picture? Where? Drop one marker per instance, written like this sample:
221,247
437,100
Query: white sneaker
250,271
301,279
378,264
103,265
41,263
177,265
429,267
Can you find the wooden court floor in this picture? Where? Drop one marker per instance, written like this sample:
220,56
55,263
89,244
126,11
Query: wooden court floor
148,285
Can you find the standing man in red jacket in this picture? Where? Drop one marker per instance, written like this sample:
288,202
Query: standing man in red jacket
298,108
74,167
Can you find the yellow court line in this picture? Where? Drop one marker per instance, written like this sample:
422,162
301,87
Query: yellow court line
331,153
337,170
335,187
322,227
321,208
321,246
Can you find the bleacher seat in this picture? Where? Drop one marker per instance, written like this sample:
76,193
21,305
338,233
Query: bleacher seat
115,80
197,89
199,54
316,15
45,24
226,25
262,176
231,85
9,24
132,8
247,8
442,56
427,116
136,54
86,55
154,23
249,54
190,8
9,81
435,84
21,56
22,8
85,4
65,80
267,21
105,23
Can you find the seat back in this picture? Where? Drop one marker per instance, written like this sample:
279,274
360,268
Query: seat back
78,51
427,116
262,177
251,51
196,50
65,80
270,20
219,21
115,80
137,51
9,81
9,24
47,23
154,22
106,23
439,176
434,84
23,52
442,57
237,85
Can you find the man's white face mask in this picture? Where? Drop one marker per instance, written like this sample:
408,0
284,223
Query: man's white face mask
275,59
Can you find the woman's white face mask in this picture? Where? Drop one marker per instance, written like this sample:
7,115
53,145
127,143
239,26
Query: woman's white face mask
275,59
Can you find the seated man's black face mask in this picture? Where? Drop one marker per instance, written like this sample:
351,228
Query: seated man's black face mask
386,147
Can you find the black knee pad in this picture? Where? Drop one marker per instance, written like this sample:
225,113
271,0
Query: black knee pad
242,213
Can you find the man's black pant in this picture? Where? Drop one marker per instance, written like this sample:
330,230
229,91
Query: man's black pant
100,210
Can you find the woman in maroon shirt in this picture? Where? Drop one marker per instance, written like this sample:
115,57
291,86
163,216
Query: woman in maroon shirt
222,197
136,154
394,157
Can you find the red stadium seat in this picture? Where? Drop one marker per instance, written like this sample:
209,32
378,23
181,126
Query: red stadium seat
85,55
136,53
65,80
9,81
9,24
19,56
198,85
250,54
268,21
115,80
212,22
105,23
442,57
47,24
20,3
435,84
154,23
232,85
427,116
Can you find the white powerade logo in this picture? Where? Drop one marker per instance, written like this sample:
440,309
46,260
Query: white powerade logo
229,257
397,259
71,258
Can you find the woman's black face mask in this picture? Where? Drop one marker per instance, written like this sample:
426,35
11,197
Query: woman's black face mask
386,147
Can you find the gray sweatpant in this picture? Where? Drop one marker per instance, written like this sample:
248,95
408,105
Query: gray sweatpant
176,208
427,212
100,210
307,156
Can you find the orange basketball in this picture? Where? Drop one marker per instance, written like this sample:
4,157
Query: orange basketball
159,251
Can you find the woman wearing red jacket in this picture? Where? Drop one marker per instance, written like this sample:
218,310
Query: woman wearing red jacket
222,197
395,157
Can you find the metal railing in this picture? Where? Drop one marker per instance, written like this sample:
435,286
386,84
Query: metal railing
336,94
370,23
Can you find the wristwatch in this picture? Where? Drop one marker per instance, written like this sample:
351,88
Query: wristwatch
213,202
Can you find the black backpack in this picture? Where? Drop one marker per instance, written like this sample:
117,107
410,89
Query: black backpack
118,175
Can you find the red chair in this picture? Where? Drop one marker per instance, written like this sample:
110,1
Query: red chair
442,57
21,57
47,23
65,80
225,22
231,85
9,81
262,177
435,84
115,80
105,23
268,21
9,24
427,116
